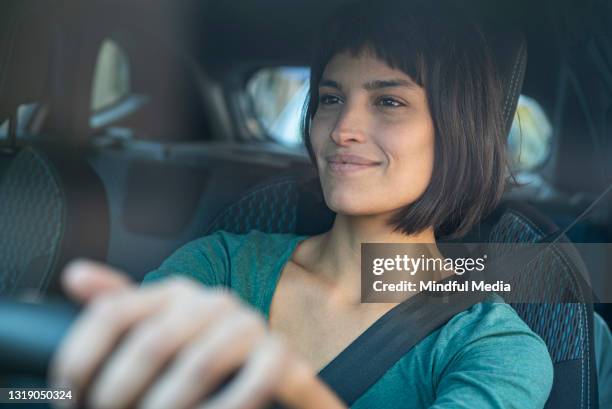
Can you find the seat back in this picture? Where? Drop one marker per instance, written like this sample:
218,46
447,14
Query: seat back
287,204
54,209
566,327
31,219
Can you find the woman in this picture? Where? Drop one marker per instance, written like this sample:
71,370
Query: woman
404,126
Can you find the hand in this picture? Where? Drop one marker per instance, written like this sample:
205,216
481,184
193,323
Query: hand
170,344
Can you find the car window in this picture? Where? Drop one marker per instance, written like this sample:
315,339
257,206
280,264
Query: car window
111,81
530,139
145,91
278,94
112,97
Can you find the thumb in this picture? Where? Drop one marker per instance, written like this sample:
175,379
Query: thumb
84,280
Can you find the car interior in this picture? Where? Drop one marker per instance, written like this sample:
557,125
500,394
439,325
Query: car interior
128,129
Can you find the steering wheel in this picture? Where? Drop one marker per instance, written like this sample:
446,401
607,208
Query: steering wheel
29,335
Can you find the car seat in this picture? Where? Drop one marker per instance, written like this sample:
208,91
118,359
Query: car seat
53,209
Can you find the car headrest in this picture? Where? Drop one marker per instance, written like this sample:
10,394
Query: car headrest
509,51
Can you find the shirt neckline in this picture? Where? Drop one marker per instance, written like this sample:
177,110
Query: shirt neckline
278,269
356,343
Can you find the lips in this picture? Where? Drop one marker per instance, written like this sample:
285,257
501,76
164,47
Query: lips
350,159
346,164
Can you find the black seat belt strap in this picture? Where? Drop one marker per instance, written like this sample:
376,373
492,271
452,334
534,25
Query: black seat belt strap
387,340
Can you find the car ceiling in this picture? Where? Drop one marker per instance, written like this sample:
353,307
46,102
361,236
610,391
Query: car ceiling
225,34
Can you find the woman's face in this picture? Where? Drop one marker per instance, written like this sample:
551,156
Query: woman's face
372,136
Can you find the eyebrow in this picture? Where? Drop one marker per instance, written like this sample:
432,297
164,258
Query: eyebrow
329,83
372,85
378,84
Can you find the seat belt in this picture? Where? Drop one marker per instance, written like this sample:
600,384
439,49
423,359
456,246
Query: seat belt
390,338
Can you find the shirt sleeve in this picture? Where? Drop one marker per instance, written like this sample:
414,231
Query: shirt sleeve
505,367
205,260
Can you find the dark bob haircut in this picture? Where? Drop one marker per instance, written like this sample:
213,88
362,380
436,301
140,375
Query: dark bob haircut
447,54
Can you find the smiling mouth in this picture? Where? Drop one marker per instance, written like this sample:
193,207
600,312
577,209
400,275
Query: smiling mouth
349,167
348,163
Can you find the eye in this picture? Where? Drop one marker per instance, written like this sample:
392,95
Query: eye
329,99
389,102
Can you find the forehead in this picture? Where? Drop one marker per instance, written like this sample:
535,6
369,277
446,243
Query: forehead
345,67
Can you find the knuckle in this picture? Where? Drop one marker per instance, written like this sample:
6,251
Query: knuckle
105,307
185,306
199,366
181,285
152,344
221,300
67,374
251,321
277,345
276,353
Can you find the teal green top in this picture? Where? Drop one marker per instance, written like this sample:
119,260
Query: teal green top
484,357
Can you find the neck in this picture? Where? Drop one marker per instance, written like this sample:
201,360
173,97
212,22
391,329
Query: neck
338,251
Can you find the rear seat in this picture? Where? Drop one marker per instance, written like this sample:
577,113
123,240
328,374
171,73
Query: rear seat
53,206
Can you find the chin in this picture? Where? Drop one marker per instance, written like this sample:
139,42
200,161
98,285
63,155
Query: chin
350,203
363,202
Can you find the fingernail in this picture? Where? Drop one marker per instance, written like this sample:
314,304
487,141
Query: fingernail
76,272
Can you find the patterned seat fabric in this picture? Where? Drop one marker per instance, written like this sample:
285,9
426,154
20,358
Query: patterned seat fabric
270,208
566,327
53,209
31,219
561,330
278,207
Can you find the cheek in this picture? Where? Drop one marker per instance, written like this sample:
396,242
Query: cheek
320,130
410,160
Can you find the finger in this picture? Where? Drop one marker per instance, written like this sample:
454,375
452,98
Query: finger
255,384
84,279
272,371
98,329
300,388
152,344
202,366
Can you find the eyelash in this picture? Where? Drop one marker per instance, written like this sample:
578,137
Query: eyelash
324,99
395,102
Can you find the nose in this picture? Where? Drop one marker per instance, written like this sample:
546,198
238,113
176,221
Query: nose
349,127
